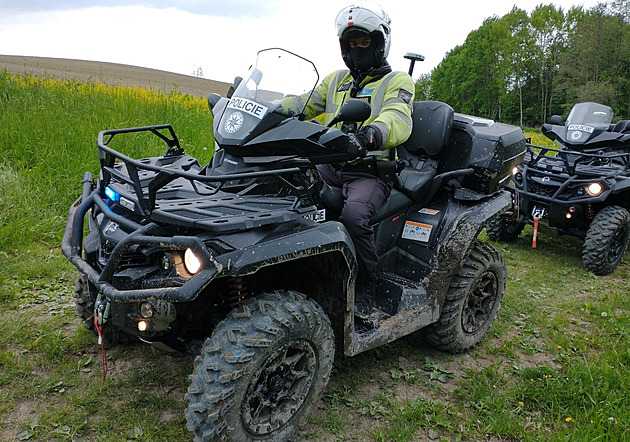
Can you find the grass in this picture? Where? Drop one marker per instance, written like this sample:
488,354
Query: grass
538,139
49,367
48,140
554,366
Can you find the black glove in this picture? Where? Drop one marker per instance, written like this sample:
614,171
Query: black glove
370,137
355,148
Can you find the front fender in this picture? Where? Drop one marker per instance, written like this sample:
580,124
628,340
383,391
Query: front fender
308,239
318,260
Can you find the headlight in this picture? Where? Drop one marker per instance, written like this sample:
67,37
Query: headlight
515,171
192,263
594,189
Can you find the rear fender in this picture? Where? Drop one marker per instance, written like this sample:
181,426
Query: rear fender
464,224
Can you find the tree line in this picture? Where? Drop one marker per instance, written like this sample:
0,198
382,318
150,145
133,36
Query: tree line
522,68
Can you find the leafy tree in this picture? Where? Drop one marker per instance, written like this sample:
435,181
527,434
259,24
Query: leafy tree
596,63
518,50
472,77
547,28
523,68
423,87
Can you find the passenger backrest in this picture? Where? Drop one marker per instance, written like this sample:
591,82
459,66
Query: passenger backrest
432,124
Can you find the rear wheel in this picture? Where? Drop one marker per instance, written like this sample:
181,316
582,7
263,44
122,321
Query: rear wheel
504,229
606,240
262,370
472,302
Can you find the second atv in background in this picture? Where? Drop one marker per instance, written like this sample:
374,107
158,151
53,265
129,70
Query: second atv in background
580,189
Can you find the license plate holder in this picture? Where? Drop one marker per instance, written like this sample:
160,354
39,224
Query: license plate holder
539,212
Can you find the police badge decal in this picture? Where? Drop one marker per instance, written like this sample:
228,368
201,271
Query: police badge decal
233,122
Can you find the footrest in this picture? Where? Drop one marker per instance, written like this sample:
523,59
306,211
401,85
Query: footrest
395,294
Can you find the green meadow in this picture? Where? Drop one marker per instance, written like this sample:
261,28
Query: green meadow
555,365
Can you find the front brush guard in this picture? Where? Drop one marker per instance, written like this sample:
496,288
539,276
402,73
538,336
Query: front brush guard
147,235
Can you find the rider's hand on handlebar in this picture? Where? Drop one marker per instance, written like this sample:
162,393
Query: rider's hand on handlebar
370,137
355,146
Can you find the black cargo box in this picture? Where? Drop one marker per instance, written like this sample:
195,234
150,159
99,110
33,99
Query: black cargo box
492,149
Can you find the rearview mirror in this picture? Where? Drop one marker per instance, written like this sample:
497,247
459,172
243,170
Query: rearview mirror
213,99
232,88
353,110
556,119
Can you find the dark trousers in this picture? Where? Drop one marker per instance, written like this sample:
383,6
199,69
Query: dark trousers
363,194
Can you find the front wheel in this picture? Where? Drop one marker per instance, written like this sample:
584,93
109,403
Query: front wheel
606,240
504,229
262,370
472,302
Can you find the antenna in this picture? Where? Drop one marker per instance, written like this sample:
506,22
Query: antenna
413,57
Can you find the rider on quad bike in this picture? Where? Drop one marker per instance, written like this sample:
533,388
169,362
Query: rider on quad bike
365,37
246,257
581,189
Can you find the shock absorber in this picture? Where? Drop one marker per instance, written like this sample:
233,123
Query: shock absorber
589,211
237,291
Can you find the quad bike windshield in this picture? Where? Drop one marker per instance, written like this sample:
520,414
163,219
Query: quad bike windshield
594,115
278,85
588,129
586,120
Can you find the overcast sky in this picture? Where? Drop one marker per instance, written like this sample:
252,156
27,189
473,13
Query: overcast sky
222,36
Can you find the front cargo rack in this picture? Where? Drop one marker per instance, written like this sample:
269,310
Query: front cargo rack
197,200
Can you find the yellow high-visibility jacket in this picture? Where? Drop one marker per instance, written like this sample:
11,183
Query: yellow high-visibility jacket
390,97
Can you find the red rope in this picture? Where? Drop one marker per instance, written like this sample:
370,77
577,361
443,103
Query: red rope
99,330
535,232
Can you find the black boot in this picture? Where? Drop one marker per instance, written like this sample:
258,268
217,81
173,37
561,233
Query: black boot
364,298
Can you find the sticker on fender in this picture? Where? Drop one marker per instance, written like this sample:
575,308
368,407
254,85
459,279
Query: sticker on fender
318,216
417,231
426,211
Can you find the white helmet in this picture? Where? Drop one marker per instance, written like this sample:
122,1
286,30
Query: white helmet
364,17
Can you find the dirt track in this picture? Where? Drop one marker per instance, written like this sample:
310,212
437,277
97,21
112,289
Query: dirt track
111,73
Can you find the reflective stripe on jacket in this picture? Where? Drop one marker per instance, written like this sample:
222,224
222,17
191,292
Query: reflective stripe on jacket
390,97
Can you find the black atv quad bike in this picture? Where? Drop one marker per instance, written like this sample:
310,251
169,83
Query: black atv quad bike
242,254
581,189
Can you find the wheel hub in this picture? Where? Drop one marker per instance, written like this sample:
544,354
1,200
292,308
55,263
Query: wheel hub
617,245
480,302
280,388
275,384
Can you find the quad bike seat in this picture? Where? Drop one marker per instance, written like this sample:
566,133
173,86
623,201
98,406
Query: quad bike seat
432,124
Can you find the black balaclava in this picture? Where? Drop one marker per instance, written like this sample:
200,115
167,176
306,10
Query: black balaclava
363,60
